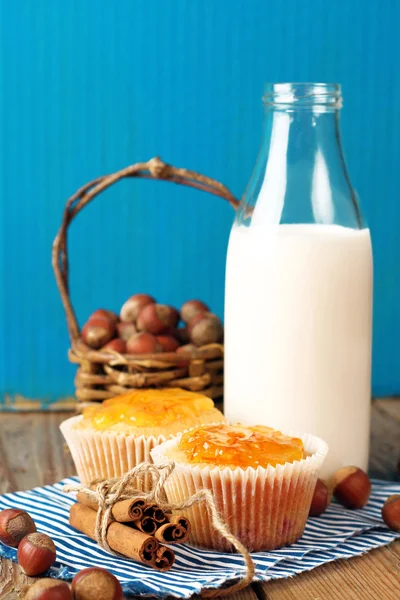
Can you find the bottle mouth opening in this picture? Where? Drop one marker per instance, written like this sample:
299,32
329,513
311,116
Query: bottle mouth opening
299,95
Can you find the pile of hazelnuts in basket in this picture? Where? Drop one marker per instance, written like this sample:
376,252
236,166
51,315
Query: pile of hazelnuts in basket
37,553
351,487
146,327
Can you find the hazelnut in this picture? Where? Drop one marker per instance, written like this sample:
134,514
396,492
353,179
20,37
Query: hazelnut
187,349
391,512
125,330
98,331
142,343
182,335
48,589
320,500
15,524
167,343
117,345
157,318
95,583
36,553
351,487
191,308
132,307
205,328
105,314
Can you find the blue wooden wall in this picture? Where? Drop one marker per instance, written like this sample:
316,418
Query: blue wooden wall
89,86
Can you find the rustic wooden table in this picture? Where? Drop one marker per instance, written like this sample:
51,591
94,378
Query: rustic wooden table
32,453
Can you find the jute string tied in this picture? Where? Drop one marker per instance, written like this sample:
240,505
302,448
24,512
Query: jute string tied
106,492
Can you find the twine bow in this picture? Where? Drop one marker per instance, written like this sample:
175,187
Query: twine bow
106,492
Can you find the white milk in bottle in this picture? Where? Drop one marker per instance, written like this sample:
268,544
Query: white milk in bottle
299,286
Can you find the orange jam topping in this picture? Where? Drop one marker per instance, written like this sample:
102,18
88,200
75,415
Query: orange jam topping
147,408
240,446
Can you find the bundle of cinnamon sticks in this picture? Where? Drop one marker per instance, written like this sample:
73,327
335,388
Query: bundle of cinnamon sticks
138,530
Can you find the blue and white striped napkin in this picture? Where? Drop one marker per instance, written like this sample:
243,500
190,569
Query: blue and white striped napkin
339,533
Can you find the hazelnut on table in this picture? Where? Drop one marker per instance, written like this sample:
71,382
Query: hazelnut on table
351,487
320,500
96,583
391,512
48,589
15,524
36,553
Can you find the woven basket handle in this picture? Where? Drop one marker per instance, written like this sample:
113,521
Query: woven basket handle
153,169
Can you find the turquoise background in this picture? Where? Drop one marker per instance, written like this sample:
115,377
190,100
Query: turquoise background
88,87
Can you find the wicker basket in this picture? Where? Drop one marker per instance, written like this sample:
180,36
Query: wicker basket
104,374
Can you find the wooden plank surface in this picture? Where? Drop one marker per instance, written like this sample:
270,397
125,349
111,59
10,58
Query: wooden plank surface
374,576
32,453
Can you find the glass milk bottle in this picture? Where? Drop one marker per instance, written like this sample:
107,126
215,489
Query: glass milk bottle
298,296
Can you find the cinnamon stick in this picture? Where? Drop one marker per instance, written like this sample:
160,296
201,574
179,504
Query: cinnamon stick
121,538
123,511
155,512
175,532
179,520
147,525
164,559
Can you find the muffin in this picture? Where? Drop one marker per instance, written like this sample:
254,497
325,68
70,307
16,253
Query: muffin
110,438
262,482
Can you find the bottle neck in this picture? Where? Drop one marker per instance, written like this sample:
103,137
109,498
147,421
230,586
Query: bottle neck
303,151
300,174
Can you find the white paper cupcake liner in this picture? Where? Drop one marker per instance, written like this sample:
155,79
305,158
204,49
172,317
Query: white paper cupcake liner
264,508
105,454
